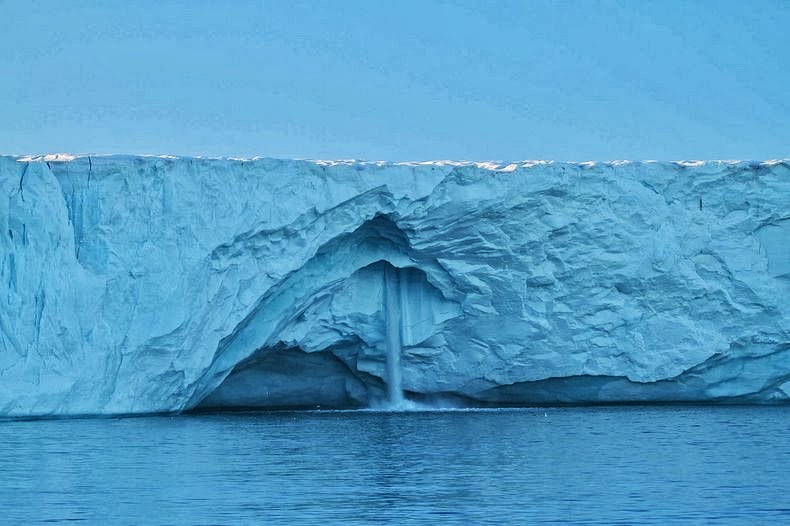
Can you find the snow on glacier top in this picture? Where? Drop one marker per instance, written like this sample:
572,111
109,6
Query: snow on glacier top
495,166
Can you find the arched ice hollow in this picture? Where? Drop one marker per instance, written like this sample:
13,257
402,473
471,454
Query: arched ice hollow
337,341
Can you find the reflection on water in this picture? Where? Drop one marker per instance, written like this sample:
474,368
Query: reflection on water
592,465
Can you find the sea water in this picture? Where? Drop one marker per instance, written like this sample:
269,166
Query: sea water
654,465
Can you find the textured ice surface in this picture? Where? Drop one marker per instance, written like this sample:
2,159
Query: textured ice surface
139,284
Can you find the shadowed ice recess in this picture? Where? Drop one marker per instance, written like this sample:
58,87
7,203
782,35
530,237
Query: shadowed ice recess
161,284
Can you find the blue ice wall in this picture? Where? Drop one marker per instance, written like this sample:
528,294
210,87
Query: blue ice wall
140,284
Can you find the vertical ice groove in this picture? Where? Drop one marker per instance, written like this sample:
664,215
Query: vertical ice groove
392,316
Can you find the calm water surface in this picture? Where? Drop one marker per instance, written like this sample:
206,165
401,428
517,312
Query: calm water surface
588,465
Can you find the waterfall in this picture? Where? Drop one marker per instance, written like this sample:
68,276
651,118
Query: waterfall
392,316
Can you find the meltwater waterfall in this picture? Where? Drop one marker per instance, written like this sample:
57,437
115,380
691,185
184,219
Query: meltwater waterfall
392,317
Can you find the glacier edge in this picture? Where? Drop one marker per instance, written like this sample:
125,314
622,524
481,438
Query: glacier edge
159,284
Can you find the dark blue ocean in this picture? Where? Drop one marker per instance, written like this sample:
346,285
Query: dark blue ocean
592,465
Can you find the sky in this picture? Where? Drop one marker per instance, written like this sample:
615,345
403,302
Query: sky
398,80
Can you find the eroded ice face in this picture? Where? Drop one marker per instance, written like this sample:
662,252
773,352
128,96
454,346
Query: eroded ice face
157,284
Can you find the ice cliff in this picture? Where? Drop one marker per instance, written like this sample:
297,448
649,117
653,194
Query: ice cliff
148,284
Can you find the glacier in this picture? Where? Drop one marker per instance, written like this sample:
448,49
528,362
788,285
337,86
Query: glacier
161,284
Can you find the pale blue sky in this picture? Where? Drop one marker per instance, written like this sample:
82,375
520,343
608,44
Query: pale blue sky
398,80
